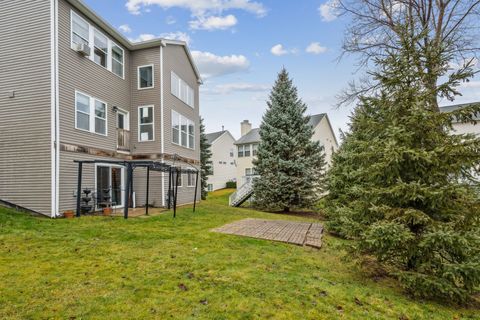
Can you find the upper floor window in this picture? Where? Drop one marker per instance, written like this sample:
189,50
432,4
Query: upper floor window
183,131
90,114
117,60
100,52
182,90
254,149
145,77
247,150
231,153
240,151
80,30
99,48
145,124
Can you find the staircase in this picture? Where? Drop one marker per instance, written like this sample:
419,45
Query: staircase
242,194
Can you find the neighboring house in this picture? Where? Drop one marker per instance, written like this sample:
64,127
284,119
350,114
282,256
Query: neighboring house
73,88
223,159
460,127
247,145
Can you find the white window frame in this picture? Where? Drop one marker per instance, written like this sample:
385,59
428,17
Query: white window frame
191,176
242,148
182,86
247,147
153,76
92,116
139,124
189,122
91,44
112,44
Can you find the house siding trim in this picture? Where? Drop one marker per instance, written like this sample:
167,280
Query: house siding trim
55,133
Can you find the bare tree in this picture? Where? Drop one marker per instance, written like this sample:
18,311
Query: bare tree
441,32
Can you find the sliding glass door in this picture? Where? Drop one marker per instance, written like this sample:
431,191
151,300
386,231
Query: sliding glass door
110,186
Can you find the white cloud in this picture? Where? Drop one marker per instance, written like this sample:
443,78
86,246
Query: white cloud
315,48
214,22
199,7
180,36
125,28
278,50
211,65
329,11
228,88
170,20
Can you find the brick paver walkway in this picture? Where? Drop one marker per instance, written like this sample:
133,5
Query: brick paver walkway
299,233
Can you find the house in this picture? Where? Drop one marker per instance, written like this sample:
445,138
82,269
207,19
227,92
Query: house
247,145
223,159
460,127
73,88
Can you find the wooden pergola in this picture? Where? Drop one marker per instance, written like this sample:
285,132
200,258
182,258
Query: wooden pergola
174,173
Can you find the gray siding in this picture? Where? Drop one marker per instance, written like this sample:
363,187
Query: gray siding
25,121
79,73
145,97
175,59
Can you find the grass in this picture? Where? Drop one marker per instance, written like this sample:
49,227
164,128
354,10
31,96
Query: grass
165,268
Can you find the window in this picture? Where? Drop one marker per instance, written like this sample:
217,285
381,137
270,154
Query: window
180,180
248,171
191,179
90,114
145,77
210,187
100,117
117,60
254,149
240,151
247,150
231,153
145,124
103,51
100,52
182,90
183,131
80,30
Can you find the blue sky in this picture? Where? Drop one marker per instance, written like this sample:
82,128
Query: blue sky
240,45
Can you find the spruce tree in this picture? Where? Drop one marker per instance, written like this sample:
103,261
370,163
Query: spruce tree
205,160
405,186
290,165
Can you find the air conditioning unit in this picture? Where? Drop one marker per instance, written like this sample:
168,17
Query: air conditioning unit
82,49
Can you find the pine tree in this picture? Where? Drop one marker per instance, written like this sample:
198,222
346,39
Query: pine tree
290,165
205,162
405,187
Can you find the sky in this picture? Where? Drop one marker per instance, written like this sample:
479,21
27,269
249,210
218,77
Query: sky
239,47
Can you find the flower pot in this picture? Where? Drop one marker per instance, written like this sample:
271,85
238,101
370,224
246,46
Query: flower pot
107,211
69,214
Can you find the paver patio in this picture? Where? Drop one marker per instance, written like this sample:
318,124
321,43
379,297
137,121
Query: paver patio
299,233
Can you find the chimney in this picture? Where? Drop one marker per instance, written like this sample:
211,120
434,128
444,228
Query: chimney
245,127
223,128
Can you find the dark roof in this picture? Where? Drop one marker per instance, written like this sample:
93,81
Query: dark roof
214,136
254,135
316,118
457,107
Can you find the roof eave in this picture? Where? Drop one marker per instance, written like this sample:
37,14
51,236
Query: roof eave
90,13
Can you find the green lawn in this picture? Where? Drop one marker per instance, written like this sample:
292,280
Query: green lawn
165,268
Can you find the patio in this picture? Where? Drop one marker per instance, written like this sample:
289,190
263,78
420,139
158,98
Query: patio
299,233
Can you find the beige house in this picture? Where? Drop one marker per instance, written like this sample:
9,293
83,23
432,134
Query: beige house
459,127
224,163
247,145
73,88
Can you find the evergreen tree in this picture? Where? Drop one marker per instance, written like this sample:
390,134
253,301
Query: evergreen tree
205,162
290,165
405,186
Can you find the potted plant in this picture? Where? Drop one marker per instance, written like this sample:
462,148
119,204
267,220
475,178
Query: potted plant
69,214
107,211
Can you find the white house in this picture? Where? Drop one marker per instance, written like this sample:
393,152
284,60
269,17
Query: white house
224,163
247,145
460,127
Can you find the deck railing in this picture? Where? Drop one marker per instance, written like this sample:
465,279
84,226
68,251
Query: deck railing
123,139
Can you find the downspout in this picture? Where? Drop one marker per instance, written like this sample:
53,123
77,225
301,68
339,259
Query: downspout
54,131
162,128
